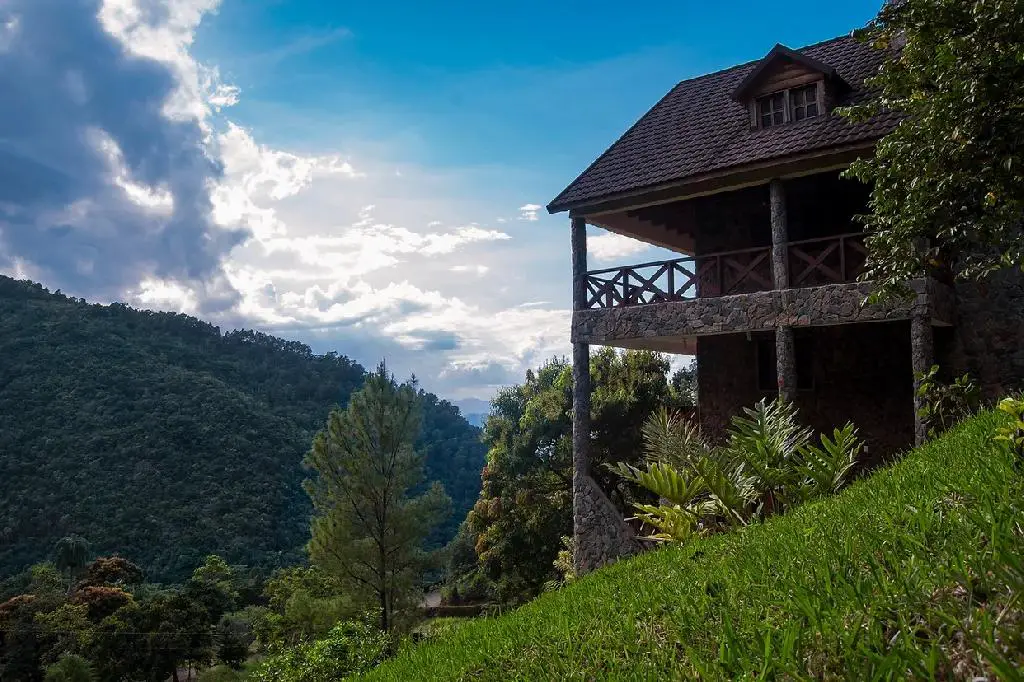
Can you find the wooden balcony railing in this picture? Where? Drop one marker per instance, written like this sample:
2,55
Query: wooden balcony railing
811,263
831,260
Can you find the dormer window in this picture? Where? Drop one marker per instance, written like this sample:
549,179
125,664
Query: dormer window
804,102
772,109
787,87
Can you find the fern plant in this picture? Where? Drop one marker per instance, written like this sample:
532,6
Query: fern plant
768,464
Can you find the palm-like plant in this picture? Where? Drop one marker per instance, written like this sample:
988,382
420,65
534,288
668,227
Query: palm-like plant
767,465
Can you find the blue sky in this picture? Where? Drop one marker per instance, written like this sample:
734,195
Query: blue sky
378,167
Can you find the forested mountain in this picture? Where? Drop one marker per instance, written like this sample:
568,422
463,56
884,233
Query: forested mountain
155,436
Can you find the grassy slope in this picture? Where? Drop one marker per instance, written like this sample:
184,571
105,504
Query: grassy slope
830,591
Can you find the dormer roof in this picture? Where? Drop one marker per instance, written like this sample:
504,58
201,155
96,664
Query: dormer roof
779,56
697,129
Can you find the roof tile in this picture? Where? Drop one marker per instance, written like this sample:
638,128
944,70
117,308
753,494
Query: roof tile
697,128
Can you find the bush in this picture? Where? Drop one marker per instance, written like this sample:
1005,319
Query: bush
350,647
70,668
946,405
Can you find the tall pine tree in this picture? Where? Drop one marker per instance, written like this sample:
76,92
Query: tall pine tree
368,528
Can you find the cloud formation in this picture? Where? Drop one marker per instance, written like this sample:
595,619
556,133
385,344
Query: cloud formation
121,178
105,176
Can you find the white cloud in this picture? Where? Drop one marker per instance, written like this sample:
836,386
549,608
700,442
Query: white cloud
478,269
613,246
529,212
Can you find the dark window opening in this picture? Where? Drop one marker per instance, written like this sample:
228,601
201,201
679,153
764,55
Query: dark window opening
772,109
804,102
767,371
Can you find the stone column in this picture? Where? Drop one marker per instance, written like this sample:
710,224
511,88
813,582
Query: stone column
785,363
600,533
580,397
780,235
922,357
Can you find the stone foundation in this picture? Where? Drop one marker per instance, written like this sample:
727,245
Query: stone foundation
601,533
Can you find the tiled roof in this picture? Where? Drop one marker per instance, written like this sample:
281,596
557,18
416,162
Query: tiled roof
698,128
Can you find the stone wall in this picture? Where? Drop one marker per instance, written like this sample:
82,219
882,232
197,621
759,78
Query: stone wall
826,305
988,339
861,373
601,533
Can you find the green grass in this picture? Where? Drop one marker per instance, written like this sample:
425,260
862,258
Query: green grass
911,573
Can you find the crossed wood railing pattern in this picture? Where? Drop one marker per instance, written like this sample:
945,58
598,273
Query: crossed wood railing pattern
812,262
830,260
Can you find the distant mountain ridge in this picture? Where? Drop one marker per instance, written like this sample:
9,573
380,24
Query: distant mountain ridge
156,436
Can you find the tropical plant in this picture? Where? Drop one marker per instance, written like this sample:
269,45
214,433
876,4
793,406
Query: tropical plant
768,465
1013,433
72,553
944,405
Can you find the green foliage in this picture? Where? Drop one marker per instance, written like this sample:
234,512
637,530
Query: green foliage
367,529
71,555
525,507
912,573
944,405
948,183
350,647
70,668
1013,433
304,603
159,436
768,465
564,565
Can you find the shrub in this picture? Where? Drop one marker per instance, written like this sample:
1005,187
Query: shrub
768,465
70,668
946,405
350,647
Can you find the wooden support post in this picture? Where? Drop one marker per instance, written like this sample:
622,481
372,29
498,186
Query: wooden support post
780,235
785,363
922,357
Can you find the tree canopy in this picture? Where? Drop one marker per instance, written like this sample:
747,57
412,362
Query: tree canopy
525,508
157,436
948,183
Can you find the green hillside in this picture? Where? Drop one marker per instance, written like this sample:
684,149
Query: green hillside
155,436
910,574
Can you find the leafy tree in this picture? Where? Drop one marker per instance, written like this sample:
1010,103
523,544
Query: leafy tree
948,183
70,668
111,571
367,529
72,554
349,648
683,386
304,604
212,586
525,508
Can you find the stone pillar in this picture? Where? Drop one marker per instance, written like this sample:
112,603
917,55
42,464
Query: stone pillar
922,357
600,533
785,363
780,235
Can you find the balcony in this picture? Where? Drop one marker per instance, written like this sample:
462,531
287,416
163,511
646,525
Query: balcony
812,263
